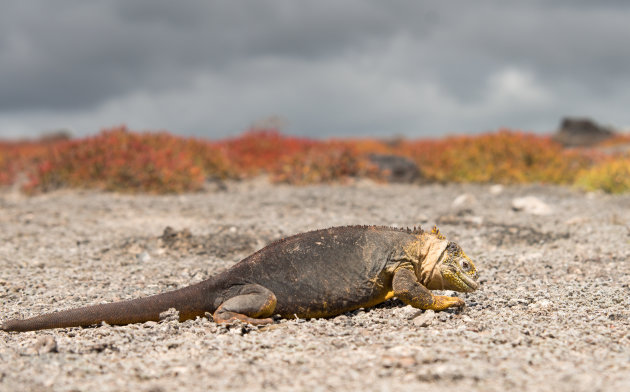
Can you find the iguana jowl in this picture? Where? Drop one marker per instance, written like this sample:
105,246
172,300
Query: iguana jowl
319,273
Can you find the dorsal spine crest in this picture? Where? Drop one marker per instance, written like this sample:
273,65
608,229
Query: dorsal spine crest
435,231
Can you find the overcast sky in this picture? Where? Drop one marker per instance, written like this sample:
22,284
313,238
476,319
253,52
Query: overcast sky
320,68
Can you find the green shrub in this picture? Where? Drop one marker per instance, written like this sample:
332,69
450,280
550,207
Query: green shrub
612,176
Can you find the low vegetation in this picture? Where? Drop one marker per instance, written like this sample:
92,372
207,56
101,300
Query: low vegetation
611,175
118,159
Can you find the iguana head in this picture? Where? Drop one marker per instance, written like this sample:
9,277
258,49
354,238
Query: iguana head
445,266
456,271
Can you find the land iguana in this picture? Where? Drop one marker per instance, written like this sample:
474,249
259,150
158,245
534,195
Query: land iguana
319,273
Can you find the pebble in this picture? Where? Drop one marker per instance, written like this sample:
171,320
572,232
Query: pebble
143,257
465,200
541,305
425,319
43,344
531,205
443,316
496,189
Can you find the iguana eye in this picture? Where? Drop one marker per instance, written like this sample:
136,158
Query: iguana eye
465,265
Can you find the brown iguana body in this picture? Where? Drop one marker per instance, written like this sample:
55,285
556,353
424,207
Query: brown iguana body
320,273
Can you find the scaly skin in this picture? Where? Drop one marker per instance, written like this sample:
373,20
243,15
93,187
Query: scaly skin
319,273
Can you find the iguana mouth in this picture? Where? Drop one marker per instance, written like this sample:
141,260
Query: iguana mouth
464,282
470,282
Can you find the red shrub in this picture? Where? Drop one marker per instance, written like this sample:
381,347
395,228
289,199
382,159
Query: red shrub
18,157
259,151
119,160
324,162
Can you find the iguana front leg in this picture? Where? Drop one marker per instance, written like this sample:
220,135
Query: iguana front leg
410,291
250,303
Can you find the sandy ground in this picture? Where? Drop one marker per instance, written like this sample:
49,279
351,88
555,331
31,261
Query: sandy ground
552,314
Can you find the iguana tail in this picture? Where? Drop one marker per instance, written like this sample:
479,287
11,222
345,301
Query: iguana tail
190,301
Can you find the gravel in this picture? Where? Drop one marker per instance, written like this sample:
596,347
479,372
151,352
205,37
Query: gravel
552,314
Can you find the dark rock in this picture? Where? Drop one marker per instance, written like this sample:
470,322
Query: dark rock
177,240
581,132
396,168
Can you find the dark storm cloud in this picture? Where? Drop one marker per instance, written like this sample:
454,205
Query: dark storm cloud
331,67
69,54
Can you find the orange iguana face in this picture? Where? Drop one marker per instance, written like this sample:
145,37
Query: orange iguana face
456,271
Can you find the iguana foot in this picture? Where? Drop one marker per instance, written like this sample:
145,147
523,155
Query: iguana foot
229,317
410,291
249,303
442,302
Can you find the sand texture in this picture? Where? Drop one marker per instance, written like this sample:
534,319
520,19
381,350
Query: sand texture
552,313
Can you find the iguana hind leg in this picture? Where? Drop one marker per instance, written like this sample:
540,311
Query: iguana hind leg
250,303
410,291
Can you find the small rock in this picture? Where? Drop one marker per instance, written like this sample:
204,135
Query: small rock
474,220
143,257
396,168
341,317
531,205
169,315
443,316
43,345
496,189
512,302
389,361
425,319
578,220
541,305
133,248
465,200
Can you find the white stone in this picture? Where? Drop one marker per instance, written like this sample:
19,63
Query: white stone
496,189
531,205
425,319
464,200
